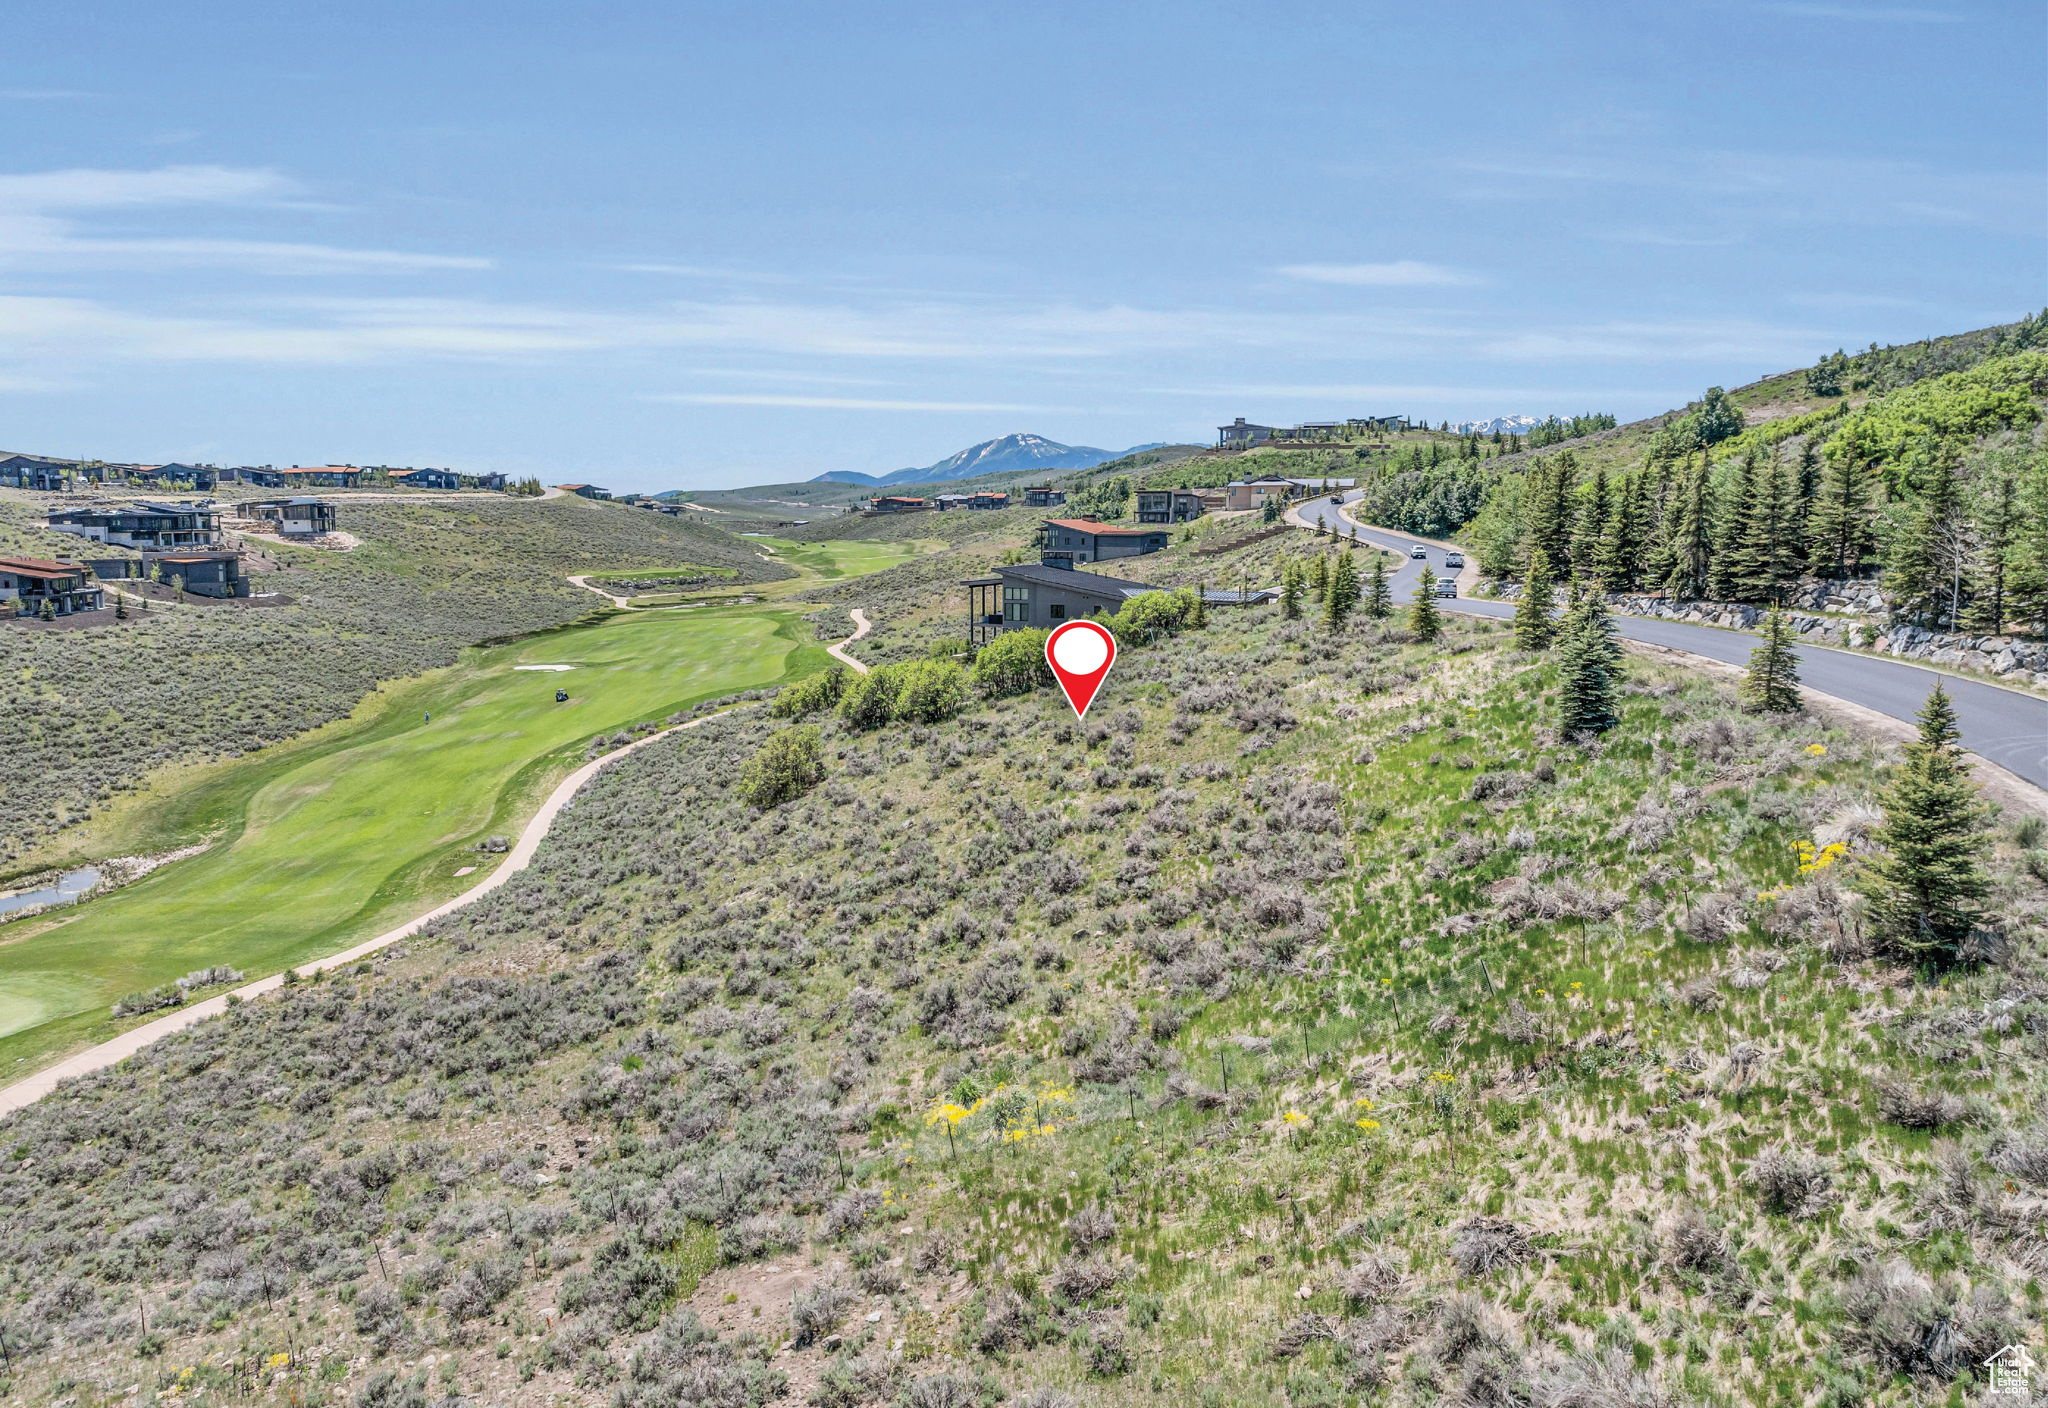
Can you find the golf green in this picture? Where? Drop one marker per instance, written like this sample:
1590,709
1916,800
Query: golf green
331,840
835,558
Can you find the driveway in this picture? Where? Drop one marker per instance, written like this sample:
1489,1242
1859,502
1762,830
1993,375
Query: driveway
2003,726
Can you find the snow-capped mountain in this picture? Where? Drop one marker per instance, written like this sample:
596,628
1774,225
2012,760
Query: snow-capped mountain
1506,425
1018,451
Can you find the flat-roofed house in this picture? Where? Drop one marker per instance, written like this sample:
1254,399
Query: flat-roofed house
896,503
427,478
34,472
300,517
1241,434
202,573
319,476
26,583
1070,540
1044,496
586,491
490,479
1169,505
199,476
144,526
1042,595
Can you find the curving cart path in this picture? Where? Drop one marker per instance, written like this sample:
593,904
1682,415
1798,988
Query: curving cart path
30,1089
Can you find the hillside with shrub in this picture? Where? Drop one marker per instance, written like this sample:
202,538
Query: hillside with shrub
1330,1019
1922,467
93,712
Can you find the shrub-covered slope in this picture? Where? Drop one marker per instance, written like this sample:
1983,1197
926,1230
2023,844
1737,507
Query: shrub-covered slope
91,712
1311,1026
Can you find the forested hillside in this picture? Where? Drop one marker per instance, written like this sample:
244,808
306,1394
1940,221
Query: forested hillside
1343,1014
1921,464
93,711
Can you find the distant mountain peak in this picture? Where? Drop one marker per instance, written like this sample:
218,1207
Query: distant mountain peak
1019,450
1505,425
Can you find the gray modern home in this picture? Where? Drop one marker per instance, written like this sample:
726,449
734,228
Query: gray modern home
1042,596
1169,505
300,517
34,472
202,573
143,525
427,478
29,584
1067,541
1044,496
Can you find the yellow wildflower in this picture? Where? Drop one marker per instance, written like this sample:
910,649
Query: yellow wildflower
1295,1117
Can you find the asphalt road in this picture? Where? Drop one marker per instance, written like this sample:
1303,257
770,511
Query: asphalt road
2003,725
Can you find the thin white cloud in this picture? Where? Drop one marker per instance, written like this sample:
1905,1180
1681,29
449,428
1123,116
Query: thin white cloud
40,228
842,403
1868,14
1399,273
703,271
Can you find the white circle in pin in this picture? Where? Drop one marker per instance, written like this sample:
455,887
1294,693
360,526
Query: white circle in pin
1080,652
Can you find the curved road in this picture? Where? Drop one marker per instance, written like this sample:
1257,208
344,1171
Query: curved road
2002,725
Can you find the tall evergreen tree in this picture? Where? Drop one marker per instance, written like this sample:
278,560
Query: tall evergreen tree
1290,590
1926,560
1424,620
1547,510
1589,668
1735,568
1342,595
1926,886
2027,577
1319,577
1838,529
1761,553
1533,626
1379,592
1996,508
1689,532
1594,515
1772,684
1619,555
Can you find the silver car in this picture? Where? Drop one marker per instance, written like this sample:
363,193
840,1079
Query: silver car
1454,559
1419,553
1447,586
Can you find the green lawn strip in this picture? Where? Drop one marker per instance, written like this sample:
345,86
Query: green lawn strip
332,841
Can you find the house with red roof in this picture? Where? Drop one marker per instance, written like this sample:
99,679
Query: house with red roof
31,585
1066,541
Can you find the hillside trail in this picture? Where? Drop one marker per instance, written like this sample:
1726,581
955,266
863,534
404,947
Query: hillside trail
861,625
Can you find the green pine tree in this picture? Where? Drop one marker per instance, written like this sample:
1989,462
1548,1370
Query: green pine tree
1547,510
1689,538
1595,515
1533,626
1290,590
1379,590
1772,684
2026,584
1425,622
1838,526
1925,561
1198,614
1319,577
1926,885
1589,668
1342,595
1740,544
1996,509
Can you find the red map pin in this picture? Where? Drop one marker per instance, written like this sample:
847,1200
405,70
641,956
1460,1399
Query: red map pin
1080,653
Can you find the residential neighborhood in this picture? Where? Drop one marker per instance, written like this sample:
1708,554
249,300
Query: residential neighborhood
33,586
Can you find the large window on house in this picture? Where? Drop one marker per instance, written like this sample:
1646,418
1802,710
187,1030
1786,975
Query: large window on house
1016,605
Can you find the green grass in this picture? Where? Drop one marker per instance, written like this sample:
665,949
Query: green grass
834,558
333,839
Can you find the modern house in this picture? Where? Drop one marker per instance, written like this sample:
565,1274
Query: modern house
316,476
1169,505
33,472
197,476
586,491
301,517
1072,540
146,527
28,582
427,478
202,573
1044,595
896,503
942,502
1044,496
1241,434
490,480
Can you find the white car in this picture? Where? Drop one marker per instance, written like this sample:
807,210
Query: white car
1454,559
1419,553
1447,586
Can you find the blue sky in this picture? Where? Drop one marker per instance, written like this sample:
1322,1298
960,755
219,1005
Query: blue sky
684,244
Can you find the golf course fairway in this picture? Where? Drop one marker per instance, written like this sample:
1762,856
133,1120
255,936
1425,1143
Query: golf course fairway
323,842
